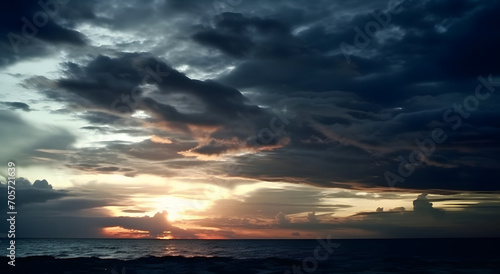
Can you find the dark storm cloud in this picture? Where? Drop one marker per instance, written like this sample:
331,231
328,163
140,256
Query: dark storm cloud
102,81
105,79
420,46
422,205
17,105
28,28
234,36
354,112
356,169
209,79
42,184
116,85
469,24
69,206
34,195
351,145
38,192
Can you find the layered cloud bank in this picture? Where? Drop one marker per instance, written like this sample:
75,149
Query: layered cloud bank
228,107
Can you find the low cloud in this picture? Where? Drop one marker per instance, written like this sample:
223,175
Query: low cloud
38,192
16,105
281,219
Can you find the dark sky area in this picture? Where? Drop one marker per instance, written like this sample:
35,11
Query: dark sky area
252,119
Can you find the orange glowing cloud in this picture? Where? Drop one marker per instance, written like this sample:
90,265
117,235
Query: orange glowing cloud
125,233
160,140
120,232
212,149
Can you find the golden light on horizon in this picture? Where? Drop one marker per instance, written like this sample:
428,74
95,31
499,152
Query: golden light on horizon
165,236
120,232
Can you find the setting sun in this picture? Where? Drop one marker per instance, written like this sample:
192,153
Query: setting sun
176,207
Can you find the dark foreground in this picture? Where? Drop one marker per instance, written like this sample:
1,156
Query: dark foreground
178,264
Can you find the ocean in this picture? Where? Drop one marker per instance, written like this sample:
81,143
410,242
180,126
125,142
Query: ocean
127,256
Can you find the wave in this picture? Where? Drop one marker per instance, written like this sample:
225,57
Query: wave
150,264
269,265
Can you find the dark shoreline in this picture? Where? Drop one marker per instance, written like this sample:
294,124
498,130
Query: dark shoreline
180,264
168,264
451,255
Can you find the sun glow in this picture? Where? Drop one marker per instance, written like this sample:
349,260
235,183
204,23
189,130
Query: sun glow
177,207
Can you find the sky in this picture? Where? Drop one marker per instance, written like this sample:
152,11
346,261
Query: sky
238,119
